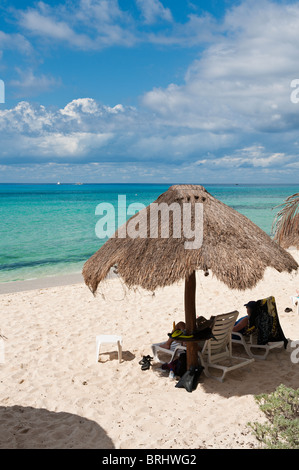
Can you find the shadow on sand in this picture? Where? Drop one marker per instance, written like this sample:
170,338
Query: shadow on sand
113,355
34,428
262,376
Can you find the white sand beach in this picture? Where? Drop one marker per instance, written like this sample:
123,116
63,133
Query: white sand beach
54,395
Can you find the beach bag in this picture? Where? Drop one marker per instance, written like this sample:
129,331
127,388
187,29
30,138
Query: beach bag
181,365
170,365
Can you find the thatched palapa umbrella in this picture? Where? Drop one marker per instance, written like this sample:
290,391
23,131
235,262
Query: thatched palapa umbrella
286,223
233,248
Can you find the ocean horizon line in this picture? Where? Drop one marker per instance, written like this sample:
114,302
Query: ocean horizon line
148,184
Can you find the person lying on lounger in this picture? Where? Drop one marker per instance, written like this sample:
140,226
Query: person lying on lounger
242,325
201,324
179,326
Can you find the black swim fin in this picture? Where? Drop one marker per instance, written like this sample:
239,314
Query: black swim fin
190,379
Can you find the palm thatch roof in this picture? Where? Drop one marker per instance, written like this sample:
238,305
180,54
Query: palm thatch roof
286,223
235,249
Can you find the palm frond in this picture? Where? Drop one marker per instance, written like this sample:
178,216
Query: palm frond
286,223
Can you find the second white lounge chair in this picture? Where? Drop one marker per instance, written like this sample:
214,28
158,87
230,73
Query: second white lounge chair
250,345
258,344
217,352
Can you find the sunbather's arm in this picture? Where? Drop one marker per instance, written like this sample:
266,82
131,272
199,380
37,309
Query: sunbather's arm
241,324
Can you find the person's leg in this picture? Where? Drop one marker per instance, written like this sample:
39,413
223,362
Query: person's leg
167,344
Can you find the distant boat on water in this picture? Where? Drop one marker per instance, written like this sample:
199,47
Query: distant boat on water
78,184
58,182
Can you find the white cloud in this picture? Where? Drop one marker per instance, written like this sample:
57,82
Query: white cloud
81,105
23,118
242,82
115,110
251,157
16,42
103,23
197,30
82,129
31,84
67,145
95,24
154,10
233,114
49,27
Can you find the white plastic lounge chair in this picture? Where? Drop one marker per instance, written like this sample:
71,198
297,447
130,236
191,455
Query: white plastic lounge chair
261,351
250,345
175,349
110,339
217,353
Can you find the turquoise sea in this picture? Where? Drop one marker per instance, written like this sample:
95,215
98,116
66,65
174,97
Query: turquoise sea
49,229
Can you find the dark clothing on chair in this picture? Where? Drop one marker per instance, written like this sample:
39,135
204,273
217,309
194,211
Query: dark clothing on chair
266,321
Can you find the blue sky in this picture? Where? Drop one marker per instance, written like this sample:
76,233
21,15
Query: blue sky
149,91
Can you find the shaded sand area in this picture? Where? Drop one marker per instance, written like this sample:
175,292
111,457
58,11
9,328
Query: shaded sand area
54,395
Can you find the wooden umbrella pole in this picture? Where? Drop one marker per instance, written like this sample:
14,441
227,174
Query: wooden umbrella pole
190,318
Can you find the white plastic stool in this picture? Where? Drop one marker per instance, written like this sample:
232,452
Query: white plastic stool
295,300
105,339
